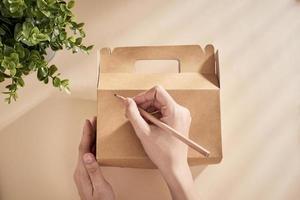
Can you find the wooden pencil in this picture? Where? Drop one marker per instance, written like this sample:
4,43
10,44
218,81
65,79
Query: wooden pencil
171,130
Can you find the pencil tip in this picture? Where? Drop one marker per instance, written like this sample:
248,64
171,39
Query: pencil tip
119,96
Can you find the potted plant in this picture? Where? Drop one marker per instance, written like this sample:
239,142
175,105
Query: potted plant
28,28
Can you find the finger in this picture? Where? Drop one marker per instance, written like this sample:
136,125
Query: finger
93,169
160,98
134,116
152,109
94,123
81,177
157,93
87,139
82,181
145,104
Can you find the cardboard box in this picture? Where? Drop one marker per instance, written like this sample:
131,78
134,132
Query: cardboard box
196,86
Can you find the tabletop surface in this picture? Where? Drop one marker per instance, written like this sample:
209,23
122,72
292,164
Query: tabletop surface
259,46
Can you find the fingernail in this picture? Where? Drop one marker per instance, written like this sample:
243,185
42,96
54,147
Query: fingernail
88,158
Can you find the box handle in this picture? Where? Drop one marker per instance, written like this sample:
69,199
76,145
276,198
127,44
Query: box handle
191,58
157,66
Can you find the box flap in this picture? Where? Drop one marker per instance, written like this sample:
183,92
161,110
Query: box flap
191,58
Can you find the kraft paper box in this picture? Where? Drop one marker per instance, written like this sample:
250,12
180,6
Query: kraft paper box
196,86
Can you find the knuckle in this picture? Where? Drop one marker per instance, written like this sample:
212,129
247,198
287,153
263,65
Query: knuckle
81,147
130,100
104,188
158,88
92,171
92,168
130,104
185,111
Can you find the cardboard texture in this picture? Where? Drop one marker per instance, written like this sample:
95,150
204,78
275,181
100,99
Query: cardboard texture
196,86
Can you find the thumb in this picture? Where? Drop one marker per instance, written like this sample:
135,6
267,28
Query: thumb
93,169
132,113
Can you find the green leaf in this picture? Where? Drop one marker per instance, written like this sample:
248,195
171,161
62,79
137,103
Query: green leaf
12,87
5,63
67,90
62,35
18,34
13,71
7,50
14,57
82,33
42,73
41,4
90,47
21,82
32,65
72,39
78,41
35,30
11,61
63,8
26,29
52,70
71,4
80,25
46,80
15,96
20,50
2,69
64,83
42,37
60,19
56,82
51,2
46,13
13,9
1,78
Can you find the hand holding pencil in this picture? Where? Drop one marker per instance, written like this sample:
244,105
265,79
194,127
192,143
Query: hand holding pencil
167,152
167,128
165,138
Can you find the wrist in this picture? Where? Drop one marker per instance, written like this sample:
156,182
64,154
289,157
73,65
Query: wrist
180,181
175,169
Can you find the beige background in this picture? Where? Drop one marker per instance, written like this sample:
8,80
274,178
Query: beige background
259,43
